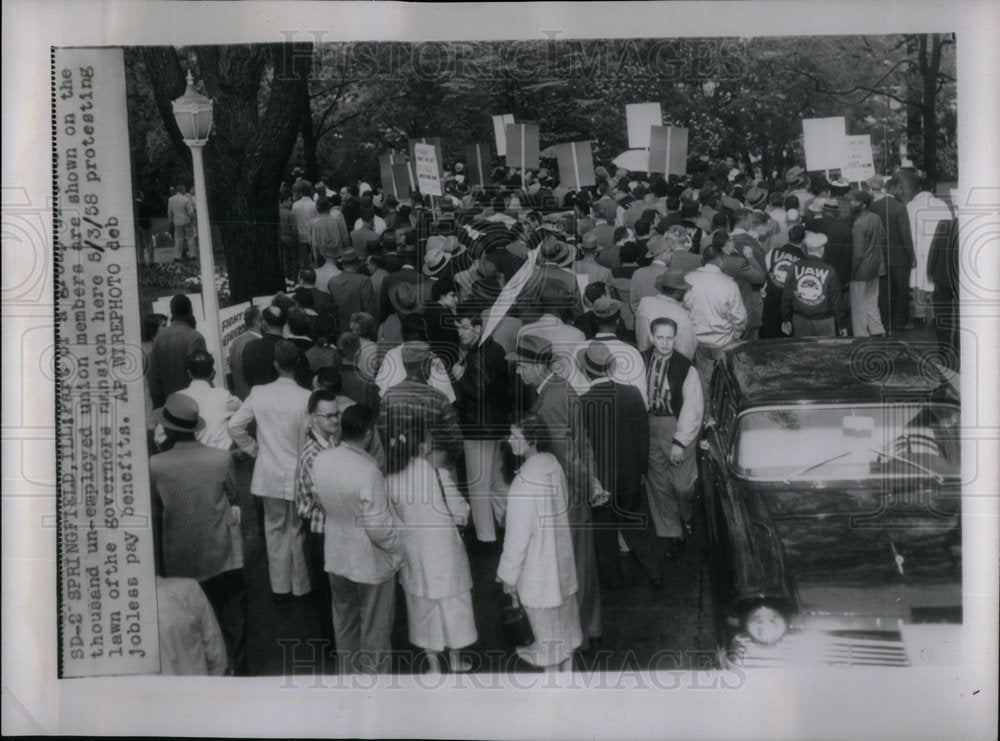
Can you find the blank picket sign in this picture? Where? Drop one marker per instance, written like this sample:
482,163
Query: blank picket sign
576,164
479,163
391,165
639,117
500,131
825,143
523,148
668,150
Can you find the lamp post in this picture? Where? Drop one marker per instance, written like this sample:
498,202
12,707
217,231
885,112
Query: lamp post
193,113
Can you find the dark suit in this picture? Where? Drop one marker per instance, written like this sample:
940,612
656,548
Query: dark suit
258,360
323,304
942,268
614,416
167,372
559,407
351,293
894,286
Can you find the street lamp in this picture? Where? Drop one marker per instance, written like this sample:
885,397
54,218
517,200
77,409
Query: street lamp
193,113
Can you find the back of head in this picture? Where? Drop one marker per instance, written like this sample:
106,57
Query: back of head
299,323
348,345
594,291
286,356
414,328
356,421
366,325
303,299
329,378
180,305
323,327
274,317
200,365
796,234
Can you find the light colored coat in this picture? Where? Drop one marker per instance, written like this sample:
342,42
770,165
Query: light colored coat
280,409
435,564
538,548
360,541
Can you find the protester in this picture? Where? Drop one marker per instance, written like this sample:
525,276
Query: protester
942,269
361,547
215,404
328,235
351,290
777,265
304,210
435,576
258,355
867,264
180,217
537,564
171,347
195,488
812,300
279,410
898,254
252,331
669,302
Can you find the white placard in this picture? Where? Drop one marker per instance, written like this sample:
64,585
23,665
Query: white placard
640,117
500,132
428,173
860,165
825,143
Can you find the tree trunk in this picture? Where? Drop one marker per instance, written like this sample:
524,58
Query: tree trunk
915,46
929,70
309,143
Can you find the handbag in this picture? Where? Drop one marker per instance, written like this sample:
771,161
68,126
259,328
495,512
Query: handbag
515,624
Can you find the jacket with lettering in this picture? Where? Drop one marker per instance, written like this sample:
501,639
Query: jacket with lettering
778,265
812,290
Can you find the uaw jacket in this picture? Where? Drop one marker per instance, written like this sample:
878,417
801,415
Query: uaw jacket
777,265
812,291
538,546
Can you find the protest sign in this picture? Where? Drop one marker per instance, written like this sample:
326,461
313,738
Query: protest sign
576,165
500,132
523,145
639,117
395,174
859,165
668,150
824,140
434,141
479,163
428,169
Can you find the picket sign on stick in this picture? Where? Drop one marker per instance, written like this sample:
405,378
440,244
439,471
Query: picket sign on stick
639,117
523,146
395,174
500,132
576,164
428,169
825,143
479,163
668,150
434,141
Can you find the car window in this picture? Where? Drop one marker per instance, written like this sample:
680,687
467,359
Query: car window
838,442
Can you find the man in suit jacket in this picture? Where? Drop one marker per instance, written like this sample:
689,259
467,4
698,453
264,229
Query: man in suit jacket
173,343
559,407
322,302
894,286
258,356
194,487
614,416
351,291
252,321
942,268
362,550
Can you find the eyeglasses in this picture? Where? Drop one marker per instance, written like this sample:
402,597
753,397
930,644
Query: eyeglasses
331,415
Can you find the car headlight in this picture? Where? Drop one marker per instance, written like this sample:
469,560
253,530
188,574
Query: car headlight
765,625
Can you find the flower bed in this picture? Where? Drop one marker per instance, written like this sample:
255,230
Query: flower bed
182,276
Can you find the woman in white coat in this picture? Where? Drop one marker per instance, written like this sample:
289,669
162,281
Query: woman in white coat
537,566
435,576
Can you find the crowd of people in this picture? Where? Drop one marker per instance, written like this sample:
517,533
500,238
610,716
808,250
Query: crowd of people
527,358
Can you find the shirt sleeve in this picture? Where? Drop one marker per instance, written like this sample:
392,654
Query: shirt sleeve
305,502
456,503
689,419
238,425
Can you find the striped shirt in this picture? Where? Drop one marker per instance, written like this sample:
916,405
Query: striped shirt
305,502
660,403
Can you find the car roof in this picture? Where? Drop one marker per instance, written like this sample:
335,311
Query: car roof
868,370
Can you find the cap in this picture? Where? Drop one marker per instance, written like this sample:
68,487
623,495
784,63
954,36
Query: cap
815,240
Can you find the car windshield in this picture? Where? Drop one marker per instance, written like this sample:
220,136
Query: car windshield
848,442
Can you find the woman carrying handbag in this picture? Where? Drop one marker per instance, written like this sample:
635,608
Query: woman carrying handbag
435,577
537,567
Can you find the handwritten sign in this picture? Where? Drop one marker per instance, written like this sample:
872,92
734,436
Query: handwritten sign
825,142
434,141
860,165
107,578
500,131
427,169
640,117
523,146
668,150
576,165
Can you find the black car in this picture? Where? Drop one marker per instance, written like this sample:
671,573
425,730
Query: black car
832,491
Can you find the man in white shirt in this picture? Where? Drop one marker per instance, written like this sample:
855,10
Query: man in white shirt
180,215
215,405
280,411
304,210
717,312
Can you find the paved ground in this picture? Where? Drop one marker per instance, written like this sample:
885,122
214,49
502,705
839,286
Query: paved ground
667,629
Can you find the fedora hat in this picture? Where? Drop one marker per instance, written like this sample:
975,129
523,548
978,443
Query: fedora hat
756,197
605,307
796,176
657,246
349,257
595,358
672,279
179,413
435,260
531,348
404,298
554,250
